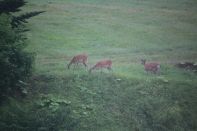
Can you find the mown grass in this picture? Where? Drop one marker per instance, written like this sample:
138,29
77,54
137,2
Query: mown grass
125,31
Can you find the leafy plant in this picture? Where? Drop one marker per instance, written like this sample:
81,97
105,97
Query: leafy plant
15,63
52,115
7,6
52,103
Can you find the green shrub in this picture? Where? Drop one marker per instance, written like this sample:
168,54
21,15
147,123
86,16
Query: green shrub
37,116
15,63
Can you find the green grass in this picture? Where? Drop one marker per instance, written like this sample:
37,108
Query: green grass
125,31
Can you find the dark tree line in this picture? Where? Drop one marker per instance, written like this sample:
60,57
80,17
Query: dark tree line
15,63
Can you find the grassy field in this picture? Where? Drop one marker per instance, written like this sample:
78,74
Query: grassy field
125,31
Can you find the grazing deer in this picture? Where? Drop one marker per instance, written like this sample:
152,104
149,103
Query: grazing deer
102,64
81,58
151,67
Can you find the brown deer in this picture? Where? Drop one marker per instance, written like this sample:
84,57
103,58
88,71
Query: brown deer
81,58
151,67
102,64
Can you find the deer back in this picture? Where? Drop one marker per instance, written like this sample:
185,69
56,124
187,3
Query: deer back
104,64
152,66
79,58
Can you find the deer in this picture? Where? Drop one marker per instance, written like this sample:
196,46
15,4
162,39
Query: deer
81,58
151,67
102,64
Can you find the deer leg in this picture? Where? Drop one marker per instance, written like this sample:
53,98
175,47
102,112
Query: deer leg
146,72
69,65
158,72
101,70
109,68
85,64
75,65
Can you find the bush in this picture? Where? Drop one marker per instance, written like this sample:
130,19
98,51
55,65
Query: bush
15,63
17,116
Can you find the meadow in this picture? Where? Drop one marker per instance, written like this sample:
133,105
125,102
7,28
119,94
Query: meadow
125,31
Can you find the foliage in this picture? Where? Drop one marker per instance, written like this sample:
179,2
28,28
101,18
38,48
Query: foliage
18,116
7,6
51,102
19,20
104,101
15,63
107,101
